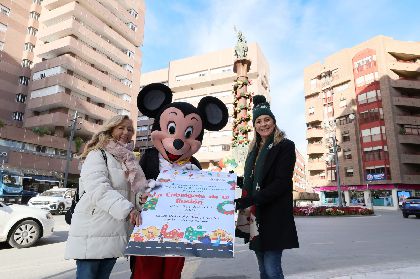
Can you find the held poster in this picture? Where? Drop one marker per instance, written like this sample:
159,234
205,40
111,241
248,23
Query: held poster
191,215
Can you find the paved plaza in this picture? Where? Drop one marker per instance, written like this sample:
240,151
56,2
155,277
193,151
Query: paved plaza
383,246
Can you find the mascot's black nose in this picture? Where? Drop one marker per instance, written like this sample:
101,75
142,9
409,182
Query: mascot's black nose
178,144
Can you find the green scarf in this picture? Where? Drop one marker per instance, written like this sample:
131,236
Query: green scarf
253,178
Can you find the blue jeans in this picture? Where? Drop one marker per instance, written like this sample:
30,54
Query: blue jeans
94,269
269,263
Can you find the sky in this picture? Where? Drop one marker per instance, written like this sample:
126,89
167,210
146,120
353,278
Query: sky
292,34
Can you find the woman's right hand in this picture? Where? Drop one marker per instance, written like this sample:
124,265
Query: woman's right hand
135,217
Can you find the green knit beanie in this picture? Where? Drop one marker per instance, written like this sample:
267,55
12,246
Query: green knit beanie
261,107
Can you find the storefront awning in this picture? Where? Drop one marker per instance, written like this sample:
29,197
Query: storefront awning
305,196
42,178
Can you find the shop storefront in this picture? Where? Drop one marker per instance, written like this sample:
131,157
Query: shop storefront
377,195
40,183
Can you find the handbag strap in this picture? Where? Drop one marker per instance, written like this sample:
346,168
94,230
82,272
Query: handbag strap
106,164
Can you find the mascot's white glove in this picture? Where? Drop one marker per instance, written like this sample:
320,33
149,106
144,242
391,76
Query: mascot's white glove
152,184
142,198
190,166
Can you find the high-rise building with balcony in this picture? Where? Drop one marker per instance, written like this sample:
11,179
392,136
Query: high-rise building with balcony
57,57
210,74
90,63
372,94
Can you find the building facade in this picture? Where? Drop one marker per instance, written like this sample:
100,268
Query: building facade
371,95
299,175
58,57
210,74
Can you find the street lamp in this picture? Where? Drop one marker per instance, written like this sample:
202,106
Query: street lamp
69,155
330,127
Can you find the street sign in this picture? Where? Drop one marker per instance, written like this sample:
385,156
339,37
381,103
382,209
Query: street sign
374,177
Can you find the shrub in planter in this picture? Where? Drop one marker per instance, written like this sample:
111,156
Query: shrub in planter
331,211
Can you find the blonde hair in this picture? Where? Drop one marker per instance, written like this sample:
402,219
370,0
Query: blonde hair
279,135
101,138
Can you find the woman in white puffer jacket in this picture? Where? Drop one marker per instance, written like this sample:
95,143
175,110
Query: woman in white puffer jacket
103,218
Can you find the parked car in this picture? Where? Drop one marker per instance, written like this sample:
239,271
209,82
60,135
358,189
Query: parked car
22,226
55,200
411,206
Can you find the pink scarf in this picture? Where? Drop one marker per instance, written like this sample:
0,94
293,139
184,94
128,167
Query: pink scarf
124,154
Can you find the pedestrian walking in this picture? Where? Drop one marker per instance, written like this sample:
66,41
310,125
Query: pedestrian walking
265,218
105,214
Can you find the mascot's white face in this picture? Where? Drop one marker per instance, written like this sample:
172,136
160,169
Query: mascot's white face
178,128
177,137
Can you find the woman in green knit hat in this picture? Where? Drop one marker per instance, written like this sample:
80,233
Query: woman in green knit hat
265,217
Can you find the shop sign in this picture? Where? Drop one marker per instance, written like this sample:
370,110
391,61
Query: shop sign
374,177
4,154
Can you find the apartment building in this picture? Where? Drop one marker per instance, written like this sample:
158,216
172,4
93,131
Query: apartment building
299,176
210,74
58,57
371,92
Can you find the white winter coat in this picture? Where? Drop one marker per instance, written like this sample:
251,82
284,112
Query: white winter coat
99,227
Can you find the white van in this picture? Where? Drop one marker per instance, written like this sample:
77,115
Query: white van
55,200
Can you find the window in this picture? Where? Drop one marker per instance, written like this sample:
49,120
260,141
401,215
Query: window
311,110
343,102
132,26
26,63
143,128
127,82
371,115
373,134
375,153
367,79
144,138
191,76
3,27
347,153
32,31
314,83
220,70
410,130
20,98
1,45
348,171
37,2
142,117
34,15
24,80
341,88
129,53
17,115
346,136
4,10
126,97
365,63
369,97
133,13
29,47
128,67
344,120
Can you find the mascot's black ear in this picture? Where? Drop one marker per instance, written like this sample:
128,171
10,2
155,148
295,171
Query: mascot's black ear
214,112
152,98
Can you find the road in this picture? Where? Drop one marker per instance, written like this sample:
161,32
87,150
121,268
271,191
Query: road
330,248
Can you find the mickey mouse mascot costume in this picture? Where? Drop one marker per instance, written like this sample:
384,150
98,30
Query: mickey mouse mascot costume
177,134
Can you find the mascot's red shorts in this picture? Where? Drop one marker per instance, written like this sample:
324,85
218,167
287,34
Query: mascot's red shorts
149,267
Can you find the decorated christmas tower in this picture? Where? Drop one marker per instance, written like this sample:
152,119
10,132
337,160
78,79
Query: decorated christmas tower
242,103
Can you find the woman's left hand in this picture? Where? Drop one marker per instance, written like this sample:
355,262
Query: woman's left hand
135,217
